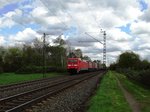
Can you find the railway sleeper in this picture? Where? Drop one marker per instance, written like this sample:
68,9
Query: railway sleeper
27,97
19,101
6,107
40,104
22,99
8,104
28,110
44,102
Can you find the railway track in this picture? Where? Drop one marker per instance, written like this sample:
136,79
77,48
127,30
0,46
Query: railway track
12,89
25,83
21,101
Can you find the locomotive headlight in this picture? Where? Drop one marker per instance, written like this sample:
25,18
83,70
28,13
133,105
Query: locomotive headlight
75,65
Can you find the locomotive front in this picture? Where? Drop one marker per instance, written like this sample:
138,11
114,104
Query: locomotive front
72,65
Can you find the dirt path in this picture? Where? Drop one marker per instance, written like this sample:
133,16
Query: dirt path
130,99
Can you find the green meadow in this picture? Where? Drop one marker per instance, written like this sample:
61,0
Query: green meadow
9,78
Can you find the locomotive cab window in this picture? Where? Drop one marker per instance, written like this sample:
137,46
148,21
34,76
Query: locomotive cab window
72,61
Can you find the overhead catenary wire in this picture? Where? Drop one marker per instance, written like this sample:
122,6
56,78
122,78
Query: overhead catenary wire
61,4
94,38
22,8
104,33
92,15
21,23
45,4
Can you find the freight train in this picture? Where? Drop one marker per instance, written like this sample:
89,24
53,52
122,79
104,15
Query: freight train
76,65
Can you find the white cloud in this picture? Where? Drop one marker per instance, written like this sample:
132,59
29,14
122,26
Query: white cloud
2,41
145,46
125,10
140,27
146,15
26,35
144,53
118,35
147,2
6,2
141,30
6,23
8,19
86,17
41,16
141,44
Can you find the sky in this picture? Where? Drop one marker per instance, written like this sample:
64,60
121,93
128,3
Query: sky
126,22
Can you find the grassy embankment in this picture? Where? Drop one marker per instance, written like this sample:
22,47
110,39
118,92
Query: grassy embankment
141,94
109,97
9,78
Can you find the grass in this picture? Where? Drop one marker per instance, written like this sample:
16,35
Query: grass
9,78
142,95
109,97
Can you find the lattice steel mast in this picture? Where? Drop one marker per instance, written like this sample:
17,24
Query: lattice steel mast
104,47
103,43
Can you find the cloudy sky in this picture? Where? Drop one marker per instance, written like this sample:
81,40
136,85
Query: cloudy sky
126,22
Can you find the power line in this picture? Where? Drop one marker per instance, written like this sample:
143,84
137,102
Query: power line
94,18
104,35
103,43
54,14
61,4
94,38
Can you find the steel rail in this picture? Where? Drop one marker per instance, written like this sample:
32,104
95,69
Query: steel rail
28,83
2,87
10,103
5,92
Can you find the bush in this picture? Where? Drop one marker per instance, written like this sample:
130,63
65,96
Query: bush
142,76
145,77
28,70
60,70
1,70
38,69
50,69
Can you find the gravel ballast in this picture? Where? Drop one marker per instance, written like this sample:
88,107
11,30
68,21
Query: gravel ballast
71,99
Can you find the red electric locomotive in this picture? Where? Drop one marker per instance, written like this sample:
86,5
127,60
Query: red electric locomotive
75,65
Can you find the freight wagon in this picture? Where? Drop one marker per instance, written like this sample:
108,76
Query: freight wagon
76,65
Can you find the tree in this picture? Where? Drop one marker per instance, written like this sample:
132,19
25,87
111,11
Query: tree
97,61
57,56
129,60
144,65
78,53
87,58
113,66
71,55
59,41
12,60
2,52
1,59
37,44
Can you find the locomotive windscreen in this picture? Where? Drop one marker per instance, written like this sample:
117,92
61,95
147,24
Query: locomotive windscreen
72,61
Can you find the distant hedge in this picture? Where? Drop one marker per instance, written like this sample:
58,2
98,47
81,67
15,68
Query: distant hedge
38,69
1,70
142,76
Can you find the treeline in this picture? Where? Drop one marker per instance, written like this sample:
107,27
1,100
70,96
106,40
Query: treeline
29,58
133,67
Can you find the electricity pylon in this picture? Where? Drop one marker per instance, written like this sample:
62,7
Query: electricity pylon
103,43
44,58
